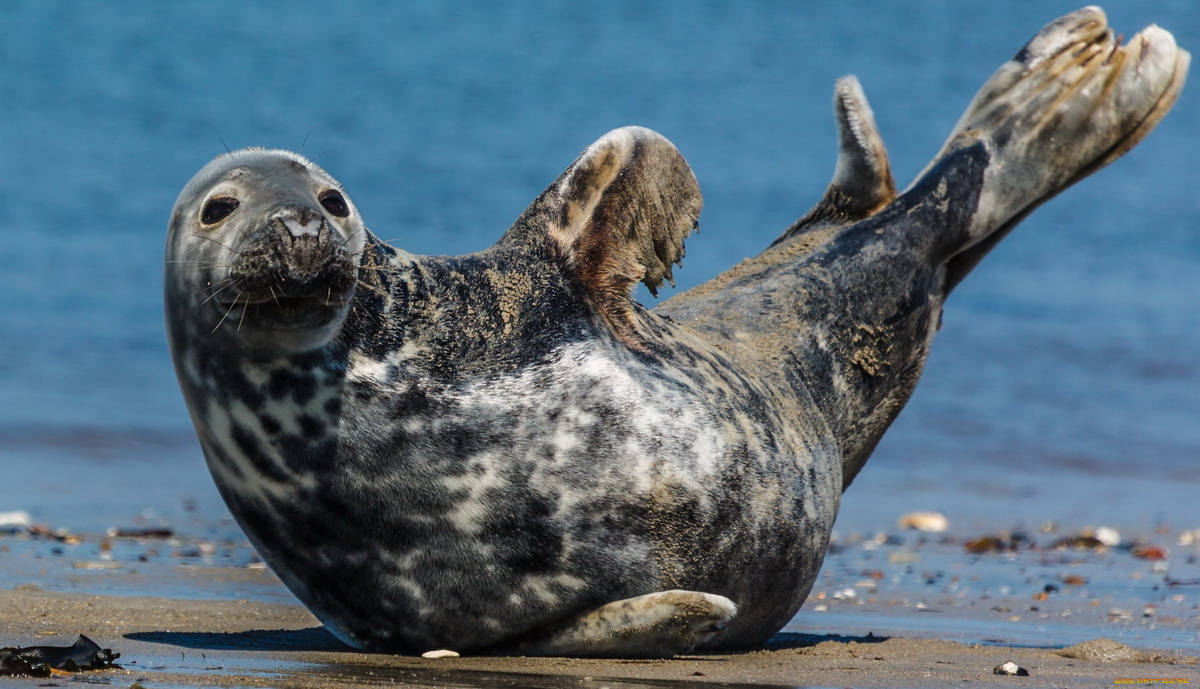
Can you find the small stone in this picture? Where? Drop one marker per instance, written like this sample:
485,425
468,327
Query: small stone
440,653
1149,552
820,608
1010,668
97,565
985,544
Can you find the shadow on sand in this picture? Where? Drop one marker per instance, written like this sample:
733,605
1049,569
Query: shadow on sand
311,639
317,639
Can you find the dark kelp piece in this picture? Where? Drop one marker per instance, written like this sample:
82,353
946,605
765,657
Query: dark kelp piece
38,661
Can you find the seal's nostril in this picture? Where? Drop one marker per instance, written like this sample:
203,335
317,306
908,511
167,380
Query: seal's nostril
298,228
301,222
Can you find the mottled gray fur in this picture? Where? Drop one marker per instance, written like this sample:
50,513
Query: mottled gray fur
504,452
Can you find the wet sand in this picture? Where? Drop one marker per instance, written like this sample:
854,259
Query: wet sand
169,642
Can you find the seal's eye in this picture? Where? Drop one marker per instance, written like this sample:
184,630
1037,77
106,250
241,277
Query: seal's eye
333,201
218,209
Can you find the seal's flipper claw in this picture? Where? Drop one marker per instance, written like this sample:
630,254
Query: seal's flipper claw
862,181
656,625
1084,24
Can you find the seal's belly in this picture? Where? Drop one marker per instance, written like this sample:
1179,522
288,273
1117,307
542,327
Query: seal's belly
483,510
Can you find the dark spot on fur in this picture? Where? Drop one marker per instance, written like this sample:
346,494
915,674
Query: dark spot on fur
530,539
310,427
270,424
300,385
252,450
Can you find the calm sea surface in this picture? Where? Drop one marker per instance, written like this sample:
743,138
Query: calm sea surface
1069,363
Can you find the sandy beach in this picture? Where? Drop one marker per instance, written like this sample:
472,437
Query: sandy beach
166,642
195,607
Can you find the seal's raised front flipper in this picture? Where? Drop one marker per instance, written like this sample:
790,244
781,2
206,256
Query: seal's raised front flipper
656,625
616,217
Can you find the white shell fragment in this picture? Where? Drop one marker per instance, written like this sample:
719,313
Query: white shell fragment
1108,536
934,522
440,653
11,520
1010,668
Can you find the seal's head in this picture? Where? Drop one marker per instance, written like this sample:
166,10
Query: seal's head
263,251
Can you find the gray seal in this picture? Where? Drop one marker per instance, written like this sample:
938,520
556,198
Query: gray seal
504,452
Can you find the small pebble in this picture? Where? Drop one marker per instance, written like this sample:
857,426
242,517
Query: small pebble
932,522
1189,537
1010,668
97,565
1107,535
441,653
1149,552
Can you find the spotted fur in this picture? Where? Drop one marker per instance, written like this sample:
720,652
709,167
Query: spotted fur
505,452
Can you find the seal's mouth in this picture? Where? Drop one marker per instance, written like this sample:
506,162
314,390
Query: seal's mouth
281,312
286,282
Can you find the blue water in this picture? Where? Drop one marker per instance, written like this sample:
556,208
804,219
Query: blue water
1070,356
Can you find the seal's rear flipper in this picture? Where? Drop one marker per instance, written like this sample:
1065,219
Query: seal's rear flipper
862,183
1070,102
656,625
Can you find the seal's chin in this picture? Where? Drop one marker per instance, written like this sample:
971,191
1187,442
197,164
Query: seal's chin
284,323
